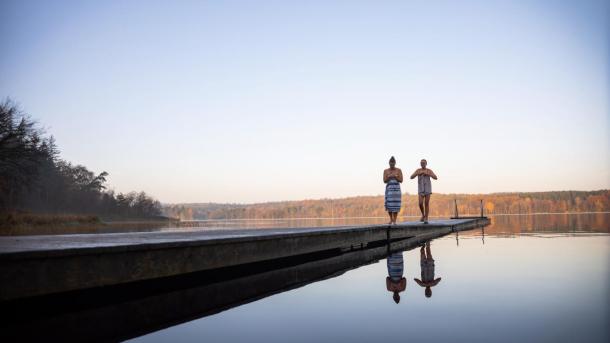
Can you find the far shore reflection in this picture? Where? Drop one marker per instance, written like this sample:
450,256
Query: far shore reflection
502,225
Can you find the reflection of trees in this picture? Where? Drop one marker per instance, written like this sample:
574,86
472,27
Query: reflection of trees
559,223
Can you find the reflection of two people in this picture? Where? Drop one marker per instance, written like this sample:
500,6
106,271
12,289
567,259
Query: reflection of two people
396,282
427,270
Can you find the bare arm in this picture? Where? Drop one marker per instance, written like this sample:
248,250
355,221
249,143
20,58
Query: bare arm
385,176
432,175
415,173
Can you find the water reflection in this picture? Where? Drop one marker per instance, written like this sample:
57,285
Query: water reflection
395,282
501,225
563,223
340,282
126,311
552,306
426,263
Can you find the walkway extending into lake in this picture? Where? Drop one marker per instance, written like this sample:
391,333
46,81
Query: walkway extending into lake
42,265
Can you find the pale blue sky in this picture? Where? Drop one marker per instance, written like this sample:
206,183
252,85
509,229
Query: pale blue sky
231,101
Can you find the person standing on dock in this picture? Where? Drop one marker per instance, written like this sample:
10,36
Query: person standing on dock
392,177
395,282
427,270
424,188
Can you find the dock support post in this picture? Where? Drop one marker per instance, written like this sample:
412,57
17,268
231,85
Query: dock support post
481,208
457,215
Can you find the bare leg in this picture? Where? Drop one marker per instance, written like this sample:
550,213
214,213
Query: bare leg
427,206
421,207
395,217
428,252
390,213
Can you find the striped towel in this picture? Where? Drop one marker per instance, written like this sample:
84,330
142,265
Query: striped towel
395,266
392,196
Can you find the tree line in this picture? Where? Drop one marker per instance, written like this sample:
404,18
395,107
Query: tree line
372,206
33,177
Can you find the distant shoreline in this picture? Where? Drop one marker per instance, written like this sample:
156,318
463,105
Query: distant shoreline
43,224
204,203
383,217
372,206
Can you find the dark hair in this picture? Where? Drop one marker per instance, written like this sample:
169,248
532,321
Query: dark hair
396,297
392,159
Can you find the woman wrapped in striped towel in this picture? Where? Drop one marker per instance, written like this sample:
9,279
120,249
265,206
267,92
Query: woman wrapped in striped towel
392,177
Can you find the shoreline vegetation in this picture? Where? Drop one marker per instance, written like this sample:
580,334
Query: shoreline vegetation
21,223
39,190
442,205
498,204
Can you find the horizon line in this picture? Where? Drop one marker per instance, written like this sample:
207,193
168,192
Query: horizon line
368,196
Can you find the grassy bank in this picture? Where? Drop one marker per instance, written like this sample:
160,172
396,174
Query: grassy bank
22,223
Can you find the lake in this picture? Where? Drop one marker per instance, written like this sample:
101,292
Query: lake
534,278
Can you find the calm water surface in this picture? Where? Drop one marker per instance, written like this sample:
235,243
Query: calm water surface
538,278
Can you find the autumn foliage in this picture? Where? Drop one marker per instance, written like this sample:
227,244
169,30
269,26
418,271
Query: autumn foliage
372,206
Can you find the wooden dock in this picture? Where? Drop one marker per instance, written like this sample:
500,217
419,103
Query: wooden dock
122,310
41,265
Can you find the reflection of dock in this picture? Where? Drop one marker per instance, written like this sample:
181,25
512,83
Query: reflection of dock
127,310
38,265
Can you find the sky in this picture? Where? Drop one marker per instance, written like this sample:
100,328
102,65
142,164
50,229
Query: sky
255,101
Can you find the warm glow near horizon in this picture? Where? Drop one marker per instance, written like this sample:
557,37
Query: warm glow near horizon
267,101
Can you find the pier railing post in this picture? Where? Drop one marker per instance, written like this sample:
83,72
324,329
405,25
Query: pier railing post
481,208
457,215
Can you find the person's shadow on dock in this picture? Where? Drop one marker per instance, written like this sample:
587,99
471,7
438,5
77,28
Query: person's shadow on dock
427,270
395,281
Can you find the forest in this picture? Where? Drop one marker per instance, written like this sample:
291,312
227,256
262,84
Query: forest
372,206
34,179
